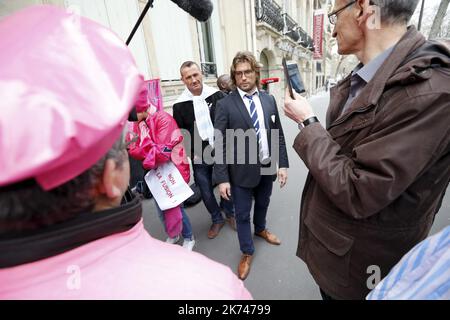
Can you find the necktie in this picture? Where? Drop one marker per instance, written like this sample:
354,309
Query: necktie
254,116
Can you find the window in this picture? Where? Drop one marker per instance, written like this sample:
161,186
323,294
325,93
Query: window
207,49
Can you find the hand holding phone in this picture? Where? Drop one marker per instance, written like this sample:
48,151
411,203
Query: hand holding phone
287,80
293,79
297,109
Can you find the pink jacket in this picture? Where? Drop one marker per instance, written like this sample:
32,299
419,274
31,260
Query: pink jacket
159,141
127,265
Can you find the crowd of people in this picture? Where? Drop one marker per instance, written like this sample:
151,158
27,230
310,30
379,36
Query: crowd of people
71,228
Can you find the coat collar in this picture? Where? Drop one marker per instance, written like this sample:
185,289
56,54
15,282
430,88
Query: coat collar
373,91
410,41
187,95
27,247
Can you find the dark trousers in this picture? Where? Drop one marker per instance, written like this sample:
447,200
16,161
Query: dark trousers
242,198
136,171
203,179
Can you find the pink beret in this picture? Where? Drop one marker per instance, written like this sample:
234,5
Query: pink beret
67,85
142,102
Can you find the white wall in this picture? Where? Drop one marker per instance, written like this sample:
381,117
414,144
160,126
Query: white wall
217,39
172,38
234,31
120,16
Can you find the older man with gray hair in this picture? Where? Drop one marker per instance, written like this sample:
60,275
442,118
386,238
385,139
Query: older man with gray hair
379,170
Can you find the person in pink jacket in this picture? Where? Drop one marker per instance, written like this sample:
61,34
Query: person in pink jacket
159,140
68,227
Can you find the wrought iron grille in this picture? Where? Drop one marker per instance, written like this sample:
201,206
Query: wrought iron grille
303,37
305,40
291,27
209,69
310,44
269,12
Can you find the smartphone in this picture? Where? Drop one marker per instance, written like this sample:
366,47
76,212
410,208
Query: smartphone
293,78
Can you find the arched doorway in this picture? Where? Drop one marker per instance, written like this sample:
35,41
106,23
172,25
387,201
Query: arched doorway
271,68
265,62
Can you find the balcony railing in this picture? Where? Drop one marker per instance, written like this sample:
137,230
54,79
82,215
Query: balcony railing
269,12
209,69
305,40
291,27
310,44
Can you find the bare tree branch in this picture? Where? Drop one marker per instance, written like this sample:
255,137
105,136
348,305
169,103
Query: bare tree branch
439,18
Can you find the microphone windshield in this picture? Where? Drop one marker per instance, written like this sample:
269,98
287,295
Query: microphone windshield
199,9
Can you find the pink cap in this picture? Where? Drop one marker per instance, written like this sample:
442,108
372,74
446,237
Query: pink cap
67,85
142,102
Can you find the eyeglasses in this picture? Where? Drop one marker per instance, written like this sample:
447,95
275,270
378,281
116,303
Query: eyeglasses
247,73
334,15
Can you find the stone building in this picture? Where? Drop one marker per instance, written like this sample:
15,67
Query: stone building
271,29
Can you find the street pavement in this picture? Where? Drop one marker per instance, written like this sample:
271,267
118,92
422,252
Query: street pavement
276,272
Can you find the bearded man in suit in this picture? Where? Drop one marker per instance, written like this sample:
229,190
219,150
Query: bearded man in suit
246,176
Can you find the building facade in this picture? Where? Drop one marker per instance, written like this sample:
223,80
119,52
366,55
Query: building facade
284,29
271,29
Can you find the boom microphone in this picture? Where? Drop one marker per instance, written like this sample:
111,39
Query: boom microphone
199,9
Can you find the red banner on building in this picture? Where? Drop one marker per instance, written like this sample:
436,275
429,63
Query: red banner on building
319,19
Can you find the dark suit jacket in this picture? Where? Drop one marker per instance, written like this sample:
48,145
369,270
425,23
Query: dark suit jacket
184,115
231,113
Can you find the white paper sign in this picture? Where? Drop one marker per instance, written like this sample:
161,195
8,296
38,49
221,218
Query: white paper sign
168,186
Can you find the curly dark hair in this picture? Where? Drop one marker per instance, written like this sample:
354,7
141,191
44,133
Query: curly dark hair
246,56
26,206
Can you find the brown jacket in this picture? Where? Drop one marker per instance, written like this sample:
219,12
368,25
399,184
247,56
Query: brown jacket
379,172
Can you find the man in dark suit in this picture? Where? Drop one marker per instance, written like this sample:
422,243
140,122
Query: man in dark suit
194,111
247,170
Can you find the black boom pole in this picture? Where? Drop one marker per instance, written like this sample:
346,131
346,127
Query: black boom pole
132,116
139,21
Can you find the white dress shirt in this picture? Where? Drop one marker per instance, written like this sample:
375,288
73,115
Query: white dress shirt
264,147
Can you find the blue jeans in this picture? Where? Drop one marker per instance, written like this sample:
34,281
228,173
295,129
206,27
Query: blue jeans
227,207
203,179
242,198
186,232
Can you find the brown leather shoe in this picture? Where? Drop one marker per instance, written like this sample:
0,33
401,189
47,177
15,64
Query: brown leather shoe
244,266
215,229
232,222
269,237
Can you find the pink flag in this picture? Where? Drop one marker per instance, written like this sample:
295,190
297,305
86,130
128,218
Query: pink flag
154,93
